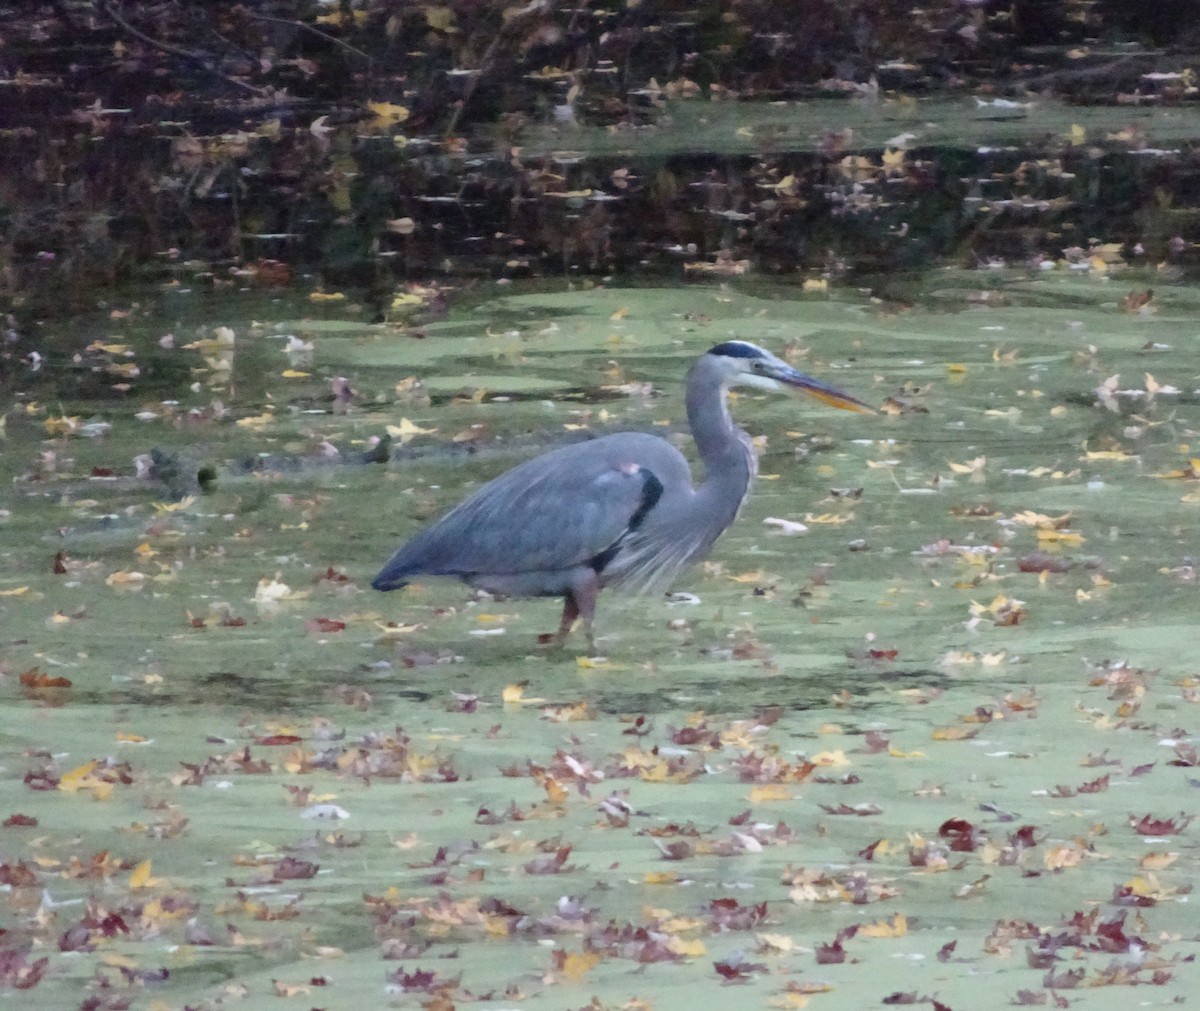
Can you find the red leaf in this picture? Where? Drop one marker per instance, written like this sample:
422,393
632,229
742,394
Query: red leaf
324,625
36,678
1149,825
830,954
1043,561
868,853
963,836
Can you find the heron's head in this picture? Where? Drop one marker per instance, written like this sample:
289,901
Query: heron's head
741,363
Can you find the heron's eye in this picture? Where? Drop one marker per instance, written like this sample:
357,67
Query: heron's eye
756,366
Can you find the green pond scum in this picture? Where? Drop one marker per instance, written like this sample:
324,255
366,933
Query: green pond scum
922,729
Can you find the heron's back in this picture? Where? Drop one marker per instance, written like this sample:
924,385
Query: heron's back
549,514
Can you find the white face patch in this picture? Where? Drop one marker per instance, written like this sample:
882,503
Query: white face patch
757,381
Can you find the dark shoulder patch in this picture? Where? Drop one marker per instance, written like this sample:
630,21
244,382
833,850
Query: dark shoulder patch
652,491
737,349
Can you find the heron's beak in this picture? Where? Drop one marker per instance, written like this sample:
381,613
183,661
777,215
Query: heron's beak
830,395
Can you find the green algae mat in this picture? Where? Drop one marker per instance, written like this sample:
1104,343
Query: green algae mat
922,730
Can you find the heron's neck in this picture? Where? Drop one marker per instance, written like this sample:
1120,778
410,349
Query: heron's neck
729,461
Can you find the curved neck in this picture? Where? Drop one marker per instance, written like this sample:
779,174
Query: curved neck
729,461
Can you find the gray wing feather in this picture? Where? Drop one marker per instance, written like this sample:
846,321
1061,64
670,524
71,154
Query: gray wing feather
554,512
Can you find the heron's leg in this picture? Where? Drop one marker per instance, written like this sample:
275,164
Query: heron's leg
569,616
579,604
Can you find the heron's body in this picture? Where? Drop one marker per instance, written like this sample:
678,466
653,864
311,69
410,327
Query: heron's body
619,510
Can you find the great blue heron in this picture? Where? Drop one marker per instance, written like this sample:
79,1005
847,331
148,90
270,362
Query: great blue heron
618,510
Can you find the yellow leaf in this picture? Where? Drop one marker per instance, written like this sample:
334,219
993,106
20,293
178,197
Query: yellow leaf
815,284
1031,519
338,17
326,296
769,792
1109,454
256,421
569,713
406,430
1065,537
671,924
757,576
1158,861
971,467
788,1001
661,878
952,733
76,778
84,778
125,578
828,759
16,591
294,374
897,753
620,313
1144,886
577,964
897,926
62,426
1058,857
655,770
139,877
956,368
556,793
687,949
513,693
1077,134
828,519
386,115
174,507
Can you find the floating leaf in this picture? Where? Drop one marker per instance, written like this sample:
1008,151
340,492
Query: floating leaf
897,926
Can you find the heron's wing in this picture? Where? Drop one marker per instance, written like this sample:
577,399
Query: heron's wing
557,511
